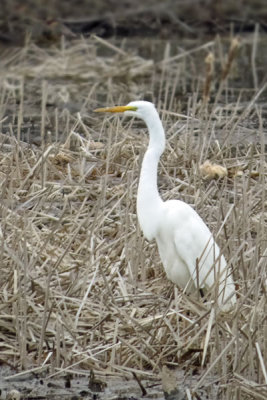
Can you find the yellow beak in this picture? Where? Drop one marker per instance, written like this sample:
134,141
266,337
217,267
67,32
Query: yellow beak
116,109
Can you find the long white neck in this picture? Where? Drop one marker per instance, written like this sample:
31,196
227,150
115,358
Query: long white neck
149,202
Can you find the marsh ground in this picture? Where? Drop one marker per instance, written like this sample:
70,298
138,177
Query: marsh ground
81,290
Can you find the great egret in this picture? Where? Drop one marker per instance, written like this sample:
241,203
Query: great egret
188,251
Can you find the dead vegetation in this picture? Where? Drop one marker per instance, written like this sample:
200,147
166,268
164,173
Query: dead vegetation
80,288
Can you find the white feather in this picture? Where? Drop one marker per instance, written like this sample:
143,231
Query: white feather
189,254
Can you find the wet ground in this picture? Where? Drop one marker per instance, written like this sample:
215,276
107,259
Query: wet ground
46,21
70,387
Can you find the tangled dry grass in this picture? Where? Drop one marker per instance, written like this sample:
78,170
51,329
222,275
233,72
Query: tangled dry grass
80,288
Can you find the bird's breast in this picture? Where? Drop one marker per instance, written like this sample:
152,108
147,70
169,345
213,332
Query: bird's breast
148,223
149,213
174,266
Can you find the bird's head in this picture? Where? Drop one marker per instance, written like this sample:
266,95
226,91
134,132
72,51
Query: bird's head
140,108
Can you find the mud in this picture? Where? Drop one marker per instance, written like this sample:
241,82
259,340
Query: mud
70,387
153,18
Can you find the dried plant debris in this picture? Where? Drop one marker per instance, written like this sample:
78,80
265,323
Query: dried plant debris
235,44
212,171
209,62
80,288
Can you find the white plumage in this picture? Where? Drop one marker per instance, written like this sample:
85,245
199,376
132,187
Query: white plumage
189,254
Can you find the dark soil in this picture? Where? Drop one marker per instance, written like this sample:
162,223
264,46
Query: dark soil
33,386
46,21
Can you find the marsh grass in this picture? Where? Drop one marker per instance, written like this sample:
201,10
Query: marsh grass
80,287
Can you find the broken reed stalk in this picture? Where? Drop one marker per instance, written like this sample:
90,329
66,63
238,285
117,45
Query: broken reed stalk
209,62
232,53
235,44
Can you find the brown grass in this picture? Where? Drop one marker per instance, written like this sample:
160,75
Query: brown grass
80,288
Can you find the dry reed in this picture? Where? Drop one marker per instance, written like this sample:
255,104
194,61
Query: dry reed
80,288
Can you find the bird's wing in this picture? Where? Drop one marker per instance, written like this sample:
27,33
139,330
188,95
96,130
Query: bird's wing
195,244
196,247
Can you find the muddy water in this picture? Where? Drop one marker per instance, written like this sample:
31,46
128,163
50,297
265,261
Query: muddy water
40,386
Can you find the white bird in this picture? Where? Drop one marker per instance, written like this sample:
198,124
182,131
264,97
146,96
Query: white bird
188,251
